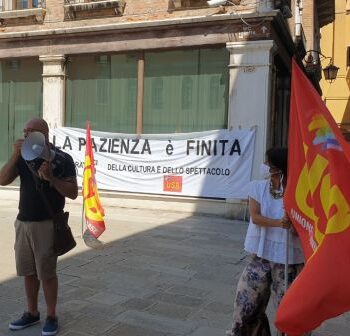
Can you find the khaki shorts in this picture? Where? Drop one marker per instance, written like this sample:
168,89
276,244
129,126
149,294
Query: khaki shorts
34,249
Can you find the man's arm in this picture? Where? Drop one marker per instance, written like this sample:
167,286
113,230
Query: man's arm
66,186
9,171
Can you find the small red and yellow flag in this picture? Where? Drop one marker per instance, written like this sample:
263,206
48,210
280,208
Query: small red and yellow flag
93,209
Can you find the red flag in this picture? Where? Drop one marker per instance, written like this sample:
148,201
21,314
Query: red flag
317,200
94,212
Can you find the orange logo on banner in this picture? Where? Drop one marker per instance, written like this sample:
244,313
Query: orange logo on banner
172,183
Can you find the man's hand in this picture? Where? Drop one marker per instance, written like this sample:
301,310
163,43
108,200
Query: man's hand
66,187
45,171
9,172
17,148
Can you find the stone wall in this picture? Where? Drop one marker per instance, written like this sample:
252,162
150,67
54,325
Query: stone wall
133,11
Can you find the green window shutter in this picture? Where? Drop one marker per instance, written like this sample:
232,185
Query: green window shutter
214,82
102,89
185,91
20,99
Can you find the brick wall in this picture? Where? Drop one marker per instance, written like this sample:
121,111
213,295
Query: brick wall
54,12
135,10
310,28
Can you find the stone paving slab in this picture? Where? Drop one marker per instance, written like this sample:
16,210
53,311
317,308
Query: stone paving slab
155,274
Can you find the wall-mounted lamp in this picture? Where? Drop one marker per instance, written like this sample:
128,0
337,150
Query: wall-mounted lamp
330,72
313,64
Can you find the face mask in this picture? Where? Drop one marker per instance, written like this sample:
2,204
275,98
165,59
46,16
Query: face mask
264,171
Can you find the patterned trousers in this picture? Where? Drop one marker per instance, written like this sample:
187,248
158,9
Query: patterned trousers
259,278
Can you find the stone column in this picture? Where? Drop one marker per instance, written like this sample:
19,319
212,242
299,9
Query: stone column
54,73
250,91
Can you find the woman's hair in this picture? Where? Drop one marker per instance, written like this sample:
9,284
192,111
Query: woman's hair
278,157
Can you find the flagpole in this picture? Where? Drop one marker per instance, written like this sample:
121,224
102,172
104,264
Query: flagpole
286,220
82,218
286,263
286,267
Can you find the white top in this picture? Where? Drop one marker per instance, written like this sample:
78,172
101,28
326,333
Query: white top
269,242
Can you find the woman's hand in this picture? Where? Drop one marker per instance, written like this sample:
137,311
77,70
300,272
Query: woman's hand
285,222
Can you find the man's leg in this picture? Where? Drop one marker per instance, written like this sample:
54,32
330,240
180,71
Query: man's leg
32,285
50,288
25,265
46,263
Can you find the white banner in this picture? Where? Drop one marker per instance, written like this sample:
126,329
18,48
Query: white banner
214,164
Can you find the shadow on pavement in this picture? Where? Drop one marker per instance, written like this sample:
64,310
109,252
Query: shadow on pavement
153,274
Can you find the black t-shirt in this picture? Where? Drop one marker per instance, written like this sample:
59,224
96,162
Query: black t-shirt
31,204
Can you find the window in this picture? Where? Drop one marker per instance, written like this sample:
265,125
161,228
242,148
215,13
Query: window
214,92
348,56
102,89
103,64
86,9
185,90
20,99
182,4
7,5
187,93
1,85
157,93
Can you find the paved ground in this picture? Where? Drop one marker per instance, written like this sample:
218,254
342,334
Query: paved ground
158,274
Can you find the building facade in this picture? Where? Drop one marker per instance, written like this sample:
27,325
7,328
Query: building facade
154,66
335,43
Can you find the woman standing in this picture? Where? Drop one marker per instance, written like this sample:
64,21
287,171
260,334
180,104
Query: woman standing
266,243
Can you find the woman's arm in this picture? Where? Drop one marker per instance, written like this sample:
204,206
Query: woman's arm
258,219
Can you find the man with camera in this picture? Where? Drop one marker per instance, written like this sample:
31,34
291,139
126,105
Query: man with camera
47,178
